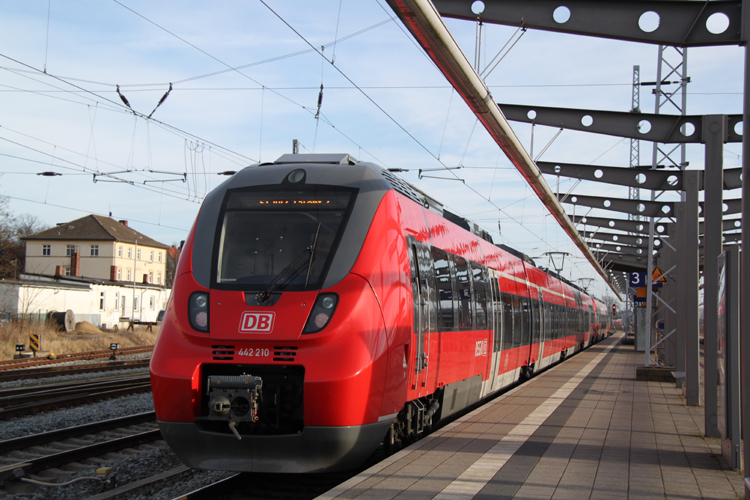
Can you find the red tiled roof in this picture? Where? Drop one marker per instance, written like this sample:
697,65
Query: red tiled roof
95,228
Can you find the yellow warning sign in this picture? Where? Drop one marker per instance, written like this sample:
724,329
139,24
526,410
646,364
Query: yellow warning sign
657,276
35,342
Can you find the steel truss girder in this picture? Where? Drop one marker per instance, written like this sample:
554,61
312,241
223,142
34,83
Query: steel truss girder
650,208
619,249
636,242
624,263
639,227
630,226
620,239
644,178
658,180
665,129
682,23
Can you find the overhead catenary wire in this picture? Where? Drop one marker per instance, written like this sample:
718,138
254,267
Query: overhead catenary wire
388,115
94,212
110,101
229,67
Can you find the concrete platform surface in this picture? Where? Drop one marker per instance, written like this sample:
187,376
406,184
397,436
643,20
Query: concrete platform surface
583,429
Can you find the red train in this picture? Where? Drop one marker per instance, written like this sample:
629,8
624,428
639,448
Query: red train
322,307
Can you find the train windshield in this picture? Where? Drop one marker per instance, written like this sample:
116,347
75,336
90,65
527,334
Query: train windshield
282,233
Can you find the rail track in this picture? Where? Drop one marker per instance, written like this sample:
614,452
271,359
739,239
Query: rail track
21,401
54,371
46,457
55,448
13,364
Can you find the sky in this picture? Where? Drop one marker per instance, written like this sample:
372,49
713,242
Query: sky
245,79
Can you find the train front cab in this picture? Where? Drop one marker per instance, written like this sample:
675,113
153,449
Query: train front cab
319,400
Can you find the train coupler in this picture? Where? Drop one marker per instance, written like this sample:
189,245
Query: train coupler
234,398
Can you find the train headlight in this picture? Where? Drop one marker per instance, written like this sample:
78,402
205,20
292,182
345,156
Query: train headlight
322,312
198,311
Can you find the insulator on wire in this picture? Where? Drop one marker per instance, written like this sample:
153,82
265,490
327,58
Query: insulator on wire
320,101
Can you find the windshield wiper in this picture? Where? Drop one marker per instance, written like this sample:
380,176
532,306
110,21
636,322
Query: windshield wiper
292,270
312,255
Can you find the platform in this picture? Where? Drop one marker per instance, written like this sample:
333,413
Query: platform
583,429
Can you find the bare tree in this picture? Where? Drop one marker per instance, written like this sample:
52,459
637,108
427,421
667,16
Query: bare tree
12,246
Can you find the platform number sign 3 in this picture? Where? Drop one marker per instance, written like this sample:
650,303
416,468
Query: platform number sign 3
637,279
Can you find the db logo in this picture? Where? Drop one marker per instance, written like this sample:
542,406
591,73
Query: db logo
255,322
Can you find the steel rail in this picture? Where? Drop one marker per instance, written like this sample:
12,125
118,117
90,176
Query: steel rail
33,399
55,371
71,432
31,466
10,364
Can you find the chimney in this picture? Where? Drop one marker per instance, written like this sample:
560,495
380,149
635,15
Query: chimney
123,222
113,273
75,264
58,270
145,279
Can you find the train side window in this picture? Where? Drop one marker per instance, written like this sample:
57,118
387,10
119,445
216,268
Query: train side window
480,295
427,282
526,322
517,322
414,285
444,289
507,322
463,289
536,321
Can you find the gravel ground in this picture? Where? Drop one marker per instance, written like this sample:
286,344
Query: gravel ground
78,415
128,470
132,468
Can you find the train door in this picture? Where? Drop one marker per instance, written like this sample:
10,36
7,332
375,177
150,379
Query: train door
497,325
537,336
420,300
527,326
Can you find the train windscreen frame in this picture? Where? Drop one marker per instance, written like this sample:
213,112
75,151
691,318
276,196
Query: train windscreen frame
268,231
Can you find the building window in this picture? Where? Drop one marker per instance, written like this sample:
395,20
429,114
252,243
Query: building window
150,277
119,275
138,255
119,251
151,302
101,301
130,253
128,274
159,254
158,278
152,255
70,250
46,250
117,300
135,304
94,250
67,271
